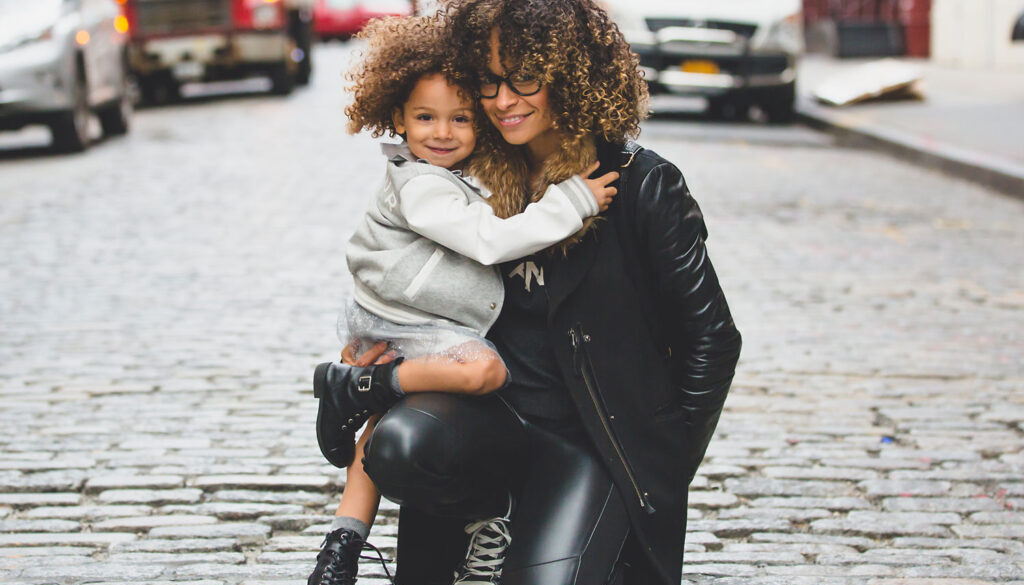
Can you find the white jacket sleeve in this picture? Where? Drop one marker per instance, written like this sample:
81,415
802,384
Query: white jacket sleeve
436,209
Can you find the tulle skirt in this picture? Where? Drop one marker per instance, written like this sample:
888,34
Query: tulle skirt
439,339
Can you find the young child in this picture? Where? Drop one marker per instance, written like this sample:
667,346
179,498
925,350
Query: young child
425,281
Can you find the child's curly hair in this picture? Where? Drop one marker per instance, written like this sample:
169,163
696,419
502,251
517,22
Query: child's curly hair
399,51
574,49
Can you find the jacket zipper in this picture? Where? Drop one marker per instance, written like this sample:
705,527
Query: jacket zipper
578,338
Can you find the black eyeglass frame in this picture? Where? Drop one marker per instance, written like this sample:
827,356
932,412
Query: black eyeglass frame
507,80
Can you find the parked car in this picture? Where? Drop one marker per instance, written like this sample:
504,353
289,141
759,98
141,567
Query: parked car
340,19
174,42
733,52
61,61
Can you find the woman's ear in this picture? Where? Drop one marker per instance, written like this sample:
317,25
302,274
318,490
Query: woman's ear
398,119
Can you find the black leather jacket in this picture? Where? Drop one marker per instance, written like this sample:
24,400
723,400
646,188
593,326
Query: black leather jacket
647,346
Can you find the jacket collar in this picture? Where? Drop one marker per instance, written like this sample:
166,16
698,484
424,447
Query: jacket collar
401,153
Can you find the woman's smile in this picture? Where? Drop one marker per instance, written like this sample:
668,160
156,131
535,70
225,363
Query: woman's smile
513,120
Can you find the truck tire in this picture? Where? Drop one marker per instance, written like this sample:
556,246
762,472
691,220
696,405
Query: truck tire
157,90
282,80
305,71
300,29
70,129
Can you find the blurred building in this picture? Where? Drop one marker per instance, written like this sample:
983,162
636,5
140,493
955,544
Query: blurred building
968,33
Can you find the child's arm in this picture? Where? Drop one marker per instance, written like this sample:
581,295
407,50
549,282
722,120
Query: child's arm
437,210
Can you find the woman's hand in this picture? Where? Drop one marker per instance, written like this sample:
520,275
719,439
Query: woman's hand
378,354
599,187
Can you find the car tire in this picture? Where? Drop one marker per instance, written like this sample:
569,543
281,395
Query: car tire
779,105
726,108
115,118
70,129
159,90
282,80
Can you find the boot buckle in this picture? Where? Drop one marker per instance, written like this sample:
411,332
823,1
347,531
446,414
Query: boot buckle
364,383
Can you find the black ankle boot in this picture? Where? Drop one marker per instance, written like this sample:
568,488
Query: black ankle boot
349,395
337,563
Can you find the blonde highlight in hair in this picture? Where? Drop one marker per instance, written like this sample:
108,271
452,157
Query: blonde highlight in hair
594,81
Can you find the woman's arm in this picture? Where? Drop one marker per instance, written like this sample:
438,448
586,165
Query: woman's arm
703,340
437,210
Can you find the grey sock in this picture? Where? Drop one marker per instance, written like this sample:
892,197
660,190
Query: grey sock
394,382
349,523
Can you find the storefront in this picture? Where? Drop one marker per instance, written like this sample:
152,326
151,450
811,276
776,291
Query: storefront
869,28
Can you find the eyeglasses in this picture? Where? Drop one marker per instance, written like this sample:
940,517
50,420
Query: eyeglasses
519,83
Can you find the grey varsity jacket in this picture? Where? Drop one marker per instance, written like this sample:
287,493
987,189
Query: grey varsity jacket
426,247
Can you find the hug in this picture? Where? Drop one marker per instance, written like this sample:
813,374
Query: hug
537,340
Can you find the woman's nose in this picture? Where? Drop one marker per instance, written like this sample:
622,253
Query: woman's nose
506,98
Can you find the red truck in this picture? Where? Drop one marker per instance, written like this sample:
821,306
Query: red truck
178,41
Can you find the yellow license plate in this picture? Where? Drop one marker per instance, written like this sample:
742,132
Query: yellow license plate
699,66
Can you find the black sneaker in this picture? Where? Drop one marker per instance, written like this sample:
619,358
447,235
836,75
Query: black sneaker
485,557
349,395
338,560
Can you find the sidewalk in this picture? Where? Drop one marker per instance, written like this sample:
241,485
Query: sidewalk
970,123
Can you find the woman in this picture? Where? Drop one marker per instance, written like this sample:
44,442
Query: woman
619,341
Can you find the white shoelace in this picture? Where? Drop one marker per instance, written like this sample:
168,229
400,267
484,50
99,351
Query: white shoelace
487,544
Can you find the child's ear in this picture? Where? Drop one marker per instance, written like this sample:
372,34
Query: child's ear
398,119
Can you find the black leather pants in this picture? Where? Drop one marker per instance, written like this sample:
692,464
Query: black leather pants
450,459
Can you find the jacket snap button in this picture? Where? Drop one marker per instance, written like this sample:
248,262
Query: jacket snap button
494,306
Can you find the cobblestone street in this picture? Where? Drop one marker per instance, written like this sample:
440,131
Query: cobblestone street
164,298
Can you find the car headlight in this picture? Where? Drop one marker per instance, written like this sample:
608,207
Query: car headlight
38,37
786,35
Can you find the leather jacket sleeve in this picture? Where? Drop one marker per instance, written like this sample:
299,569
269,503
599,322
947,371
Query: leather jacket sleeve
704,343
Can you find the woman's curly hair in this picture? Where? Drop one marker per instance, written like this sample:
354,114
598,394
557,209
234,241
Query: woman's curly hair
399,51
595,86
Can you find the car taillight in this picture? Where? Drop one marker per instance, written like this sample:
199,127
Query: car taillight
121,24
128,15
259,13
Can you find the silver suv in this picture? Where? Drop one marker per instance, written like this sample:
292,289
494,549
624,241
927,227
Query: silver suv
61,61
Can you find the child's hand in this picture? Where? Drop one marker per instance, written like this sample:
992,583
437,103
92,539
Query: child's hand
378,354
599,187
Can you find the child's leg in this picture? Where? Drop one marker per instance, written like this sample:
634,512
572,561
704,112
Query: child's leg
360,498
485,373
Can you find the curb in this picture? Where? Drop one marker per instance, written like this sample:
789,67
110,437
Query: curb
1003,176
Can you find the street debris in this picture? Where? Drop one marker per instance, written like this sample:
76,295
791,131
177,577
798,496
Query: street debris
884,79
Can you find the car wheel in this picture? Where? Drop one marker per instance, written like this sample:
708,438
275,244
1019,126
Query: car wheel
779,104
115,118
71,129
158,90
282,81
726,108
